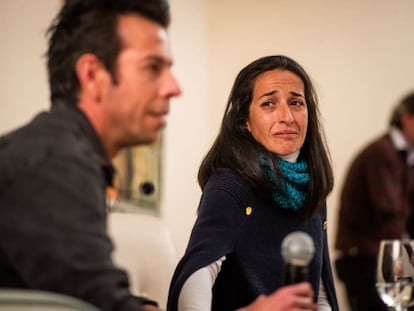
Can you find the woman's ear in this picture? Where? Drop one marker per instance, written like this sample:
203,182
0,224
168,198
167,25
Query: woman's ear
248,126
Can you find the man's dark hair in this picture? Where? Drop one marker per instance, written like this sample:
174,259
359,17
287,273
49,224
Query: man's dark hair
90,26
406,104
235,148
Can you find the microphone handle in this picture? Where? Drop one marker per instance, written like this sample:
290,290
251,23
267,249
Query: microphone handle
294,274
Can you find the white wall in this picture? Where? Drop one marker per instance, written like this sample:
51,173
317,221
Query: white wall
23,81
186,136
360,54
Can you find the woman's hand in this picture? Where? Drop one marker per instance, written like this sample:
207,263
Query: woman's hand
298,297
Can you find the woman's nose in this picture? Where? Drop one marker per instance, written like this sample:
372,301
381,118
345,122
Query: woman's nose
285,114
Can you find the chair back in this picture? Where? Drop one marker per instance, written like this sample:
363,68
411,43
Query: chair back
144,248
35,300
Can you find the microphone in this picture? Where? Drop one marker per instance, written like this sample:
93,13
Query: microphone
297,252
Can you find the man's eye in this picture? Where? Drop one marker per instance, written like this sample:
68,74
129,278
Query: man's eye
155,68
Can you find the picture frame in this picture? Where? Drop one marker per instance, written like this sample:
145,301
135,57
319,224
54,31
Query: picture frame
137,179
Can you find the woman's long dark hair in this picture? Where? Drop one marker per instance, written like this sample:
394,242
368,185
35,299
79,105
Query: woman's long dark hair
235,148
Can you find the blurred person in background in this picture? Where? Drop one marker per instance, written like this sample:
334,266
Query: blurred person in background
376,203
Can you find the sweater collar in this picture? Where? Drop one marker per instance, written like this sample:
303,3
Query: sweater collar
401,144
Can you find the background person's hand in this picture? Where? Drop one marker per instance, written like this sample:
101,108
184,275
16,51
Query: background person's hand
298,297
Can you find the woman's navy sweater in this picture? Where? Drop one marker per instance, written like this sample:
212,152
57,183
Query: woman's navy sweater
248,229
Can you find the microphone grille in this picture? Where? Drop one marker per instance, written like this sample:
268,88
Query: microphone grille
298,248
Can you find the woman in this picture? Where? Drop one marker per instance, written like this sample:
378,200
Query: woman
267,174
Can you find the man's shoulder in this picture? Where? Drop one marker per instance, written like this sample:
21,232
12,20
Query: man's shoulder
376,149
42,139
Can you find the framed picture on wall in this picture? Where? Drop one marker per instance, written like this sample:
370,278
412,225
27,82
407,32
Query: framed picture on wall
138,178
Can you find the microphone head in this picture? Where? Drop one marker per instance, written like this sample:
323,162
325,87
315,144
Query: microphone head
298,249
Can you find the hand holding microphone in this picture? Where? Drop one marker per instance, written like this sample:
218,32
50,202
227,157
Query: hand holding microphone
287,298
297,252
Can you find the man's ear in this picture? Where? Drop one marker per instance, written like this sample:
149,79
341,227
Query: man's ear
92,76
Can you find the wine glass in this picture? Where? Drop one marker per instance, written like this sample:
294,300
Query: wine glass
395,273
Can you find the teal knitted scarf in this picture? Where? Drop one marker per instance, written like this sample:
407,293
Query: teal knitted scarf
292,191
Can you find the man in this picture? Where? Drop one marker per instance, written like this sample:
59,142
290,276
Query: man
376,203
109,66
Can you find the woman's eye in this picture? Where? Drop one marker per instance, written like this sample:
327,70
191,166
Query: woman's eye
296,103
267,104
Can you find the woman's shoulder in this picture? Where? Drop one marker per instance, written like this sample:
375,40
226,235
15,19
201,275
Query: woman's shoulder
228,181
227,178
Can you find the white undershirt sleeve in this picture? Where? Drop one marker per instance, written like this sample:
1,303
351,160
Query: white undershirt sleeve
323,303
196,293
